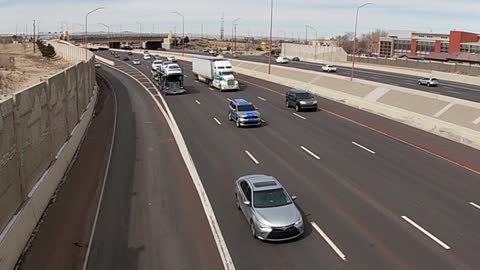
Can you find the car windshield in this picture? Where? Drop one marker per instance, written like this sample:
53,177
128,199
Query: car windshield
304,96
433,79
244,108
270,198
173,67
227,73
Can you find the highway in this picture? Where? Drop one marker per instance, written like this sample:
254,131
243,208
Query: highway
380,203
446,88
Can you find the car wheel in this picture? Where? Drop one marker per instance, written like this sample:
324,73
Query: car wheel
428,84
419,83
238,123
252,229
287,104
229,116
297,108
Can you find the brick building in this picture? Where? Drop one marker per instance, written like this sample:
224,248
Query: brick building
418,44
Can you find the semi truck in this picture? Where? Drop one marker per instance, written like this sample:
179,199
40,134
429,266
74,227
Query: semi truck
215,71
170,81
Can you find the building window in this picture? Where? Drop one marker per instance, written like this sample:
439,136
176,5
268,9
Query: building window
464,48
385,49
475,48
444,47
402,45
425,47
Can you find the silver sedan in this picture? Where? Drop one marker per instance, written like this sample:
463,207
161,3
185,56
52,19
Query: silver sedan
268,208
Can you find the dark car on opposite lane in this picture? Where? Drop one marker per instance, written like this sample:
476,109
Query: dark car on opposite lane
300,100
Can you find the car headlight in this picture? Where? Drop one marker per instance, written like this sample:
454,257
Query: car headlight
303,102
262,226
299,222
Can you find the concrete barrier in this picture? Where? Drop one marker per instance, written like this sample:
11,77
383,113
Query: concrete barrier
41,129
451,118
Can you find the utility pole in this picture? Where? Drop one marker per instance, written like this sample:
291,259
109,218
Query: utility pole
183,31
201,32
222,27
306,34
235,40
34,24
270,49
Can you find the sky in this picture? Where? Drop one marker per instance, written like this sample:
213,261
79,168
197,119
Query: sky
327,17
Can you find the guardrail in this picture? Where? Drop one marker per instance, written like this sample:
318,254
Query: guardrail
41,129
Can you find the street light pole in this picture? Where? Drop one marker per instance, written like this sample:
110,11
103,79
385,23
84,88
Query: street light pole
86,29
355,39
183,32
108,32
270,49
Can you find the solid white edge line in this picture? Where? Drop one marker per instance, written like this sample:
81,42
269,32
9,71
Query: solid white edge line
310,152
475,205
95,220
261,98
252,157
198,102
207,207
329,241
363,147
299,116
438,241
216,120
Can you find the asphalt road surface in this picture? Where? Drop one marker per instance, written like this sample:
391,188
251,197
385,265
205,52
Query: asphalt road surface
446,88
151,216
381,203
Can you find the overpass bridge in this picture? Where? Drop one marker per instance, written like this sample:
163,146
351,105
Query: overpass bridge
114,40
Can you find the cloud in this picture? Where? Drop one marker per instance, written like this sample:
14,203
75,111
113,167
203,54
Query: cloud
290,16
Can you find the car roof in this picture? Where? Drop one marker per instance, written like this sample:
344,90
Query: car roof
241,101
297,91
260,182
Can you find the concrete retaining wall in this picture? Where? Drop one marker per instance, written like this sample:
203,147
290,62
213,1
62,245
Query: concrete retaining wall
314,53
451,118
41,128
462,69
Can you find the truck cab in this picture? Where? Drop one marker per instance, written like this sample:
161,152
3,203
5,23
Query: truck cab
223,76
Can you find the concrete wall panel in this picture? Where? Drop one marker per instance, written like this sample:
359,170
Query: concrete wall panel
81,88
32,123
10,192
58,110
71,98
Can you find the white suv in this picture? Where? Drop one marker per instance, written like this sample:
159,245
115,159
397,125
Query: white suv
147,57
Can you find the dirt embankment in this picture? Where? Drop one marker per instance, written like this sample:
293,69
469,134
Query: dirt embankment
20,67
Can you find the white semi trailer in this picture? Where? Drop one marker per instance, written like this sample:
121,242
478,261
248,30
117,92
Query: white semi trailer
215,71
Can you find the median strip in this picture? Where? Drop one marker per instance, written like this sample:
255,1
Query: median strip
309,152
363,147
438,241
329,241
252,157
